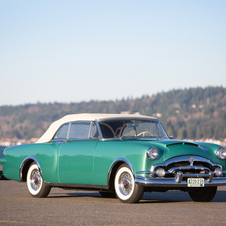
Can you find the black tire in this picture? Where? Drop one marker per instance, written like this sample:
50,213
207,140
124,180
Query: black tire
35,183
125,188
202,194
107,194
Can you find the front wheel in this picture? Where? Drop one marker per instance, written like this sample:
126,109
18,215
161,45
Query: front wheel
35,184
202,194
126,189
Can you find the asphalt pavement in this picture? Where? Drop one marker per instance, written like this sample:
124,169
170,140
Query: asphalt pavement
73,207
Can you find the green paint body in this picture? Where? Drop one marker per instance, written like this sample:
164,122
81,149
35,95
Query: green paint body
89,161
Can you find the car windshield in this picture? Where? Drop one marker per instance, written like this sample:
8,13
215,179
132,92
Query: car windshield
132,128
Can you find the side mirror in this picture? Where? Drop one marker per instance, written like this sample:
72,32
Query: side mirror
170,137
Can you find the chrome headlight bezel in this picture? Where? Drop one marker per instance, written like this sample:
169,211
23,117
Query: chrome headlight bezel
152,153
221,153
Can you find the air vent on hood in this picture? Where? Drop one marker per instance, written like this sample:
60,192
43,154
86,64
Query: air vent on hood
183,143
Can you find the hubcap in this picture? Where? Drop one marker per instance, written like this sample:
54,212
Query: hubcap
125,185
35,180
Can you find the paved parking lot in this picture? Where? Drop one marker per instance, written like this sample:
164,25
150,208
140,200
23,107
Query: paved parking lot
70,207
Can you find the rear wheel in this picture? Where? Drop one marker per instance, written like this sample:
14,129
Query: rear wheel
202,194
126,189
35,184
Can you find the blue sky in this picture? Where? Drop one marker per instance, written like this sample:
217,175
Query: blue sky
72,51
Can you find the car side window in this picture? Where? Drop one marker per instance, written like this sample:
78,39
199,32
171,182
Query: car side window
79,130
94,132
62,132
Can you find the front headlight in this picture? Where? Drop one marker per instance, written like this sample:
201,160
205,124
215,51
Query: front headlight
221,153
152,153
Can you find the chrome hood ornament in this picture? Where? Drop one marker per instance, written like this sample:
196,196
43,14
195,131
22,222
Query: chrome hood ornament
191,161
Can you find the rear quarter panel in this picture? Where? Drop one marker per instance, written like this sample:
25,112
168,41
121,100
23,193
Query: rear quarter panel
46,155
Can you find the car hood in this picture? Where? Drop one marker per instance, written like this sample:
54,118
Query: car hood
174,148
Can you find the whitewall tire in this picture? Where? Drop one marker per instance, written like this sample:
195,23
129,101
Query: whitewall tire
35,184
125,187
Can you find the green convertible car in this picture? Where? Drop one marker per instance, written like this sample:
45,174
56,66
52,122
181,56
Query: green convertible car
117,155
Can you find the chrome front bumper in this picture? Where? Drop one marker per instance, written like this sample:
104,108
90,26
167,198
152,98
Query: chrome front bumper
178,170
172,182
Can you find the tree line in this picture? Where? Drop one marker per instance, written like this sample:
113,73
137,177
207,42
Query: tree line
193,113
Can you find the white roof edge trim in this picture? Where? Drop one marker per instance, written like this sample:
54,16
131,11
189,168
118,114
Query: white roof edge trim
48,135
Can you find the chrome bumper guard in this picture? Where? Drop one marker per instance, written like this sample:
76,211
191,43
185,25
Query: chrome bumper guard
178,181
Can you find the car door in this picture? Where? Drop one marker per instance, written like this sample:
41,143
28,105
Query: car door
76,154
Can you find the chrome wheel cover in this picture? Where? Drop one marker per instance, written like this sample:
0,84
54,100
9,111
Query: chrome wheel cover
35,180
125,183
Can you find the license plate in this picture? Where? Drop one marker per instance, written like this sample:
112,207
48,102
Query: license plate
195,182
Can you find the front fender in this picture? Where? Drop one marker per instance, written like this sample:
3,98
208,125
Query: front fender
25,165
121,160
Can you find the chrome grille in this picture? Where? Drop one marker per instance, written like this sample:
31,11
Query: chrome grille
188,165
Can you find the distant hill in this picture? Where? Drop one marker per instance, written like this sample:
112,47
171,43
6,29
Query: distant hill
193,113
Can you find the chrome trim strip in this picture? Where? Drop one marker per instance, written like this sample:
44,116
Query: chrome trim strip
79,186
24,162
145,172
93,124
148,172
129,118
68,130
99,130
171,182
196,175
90,127
164,130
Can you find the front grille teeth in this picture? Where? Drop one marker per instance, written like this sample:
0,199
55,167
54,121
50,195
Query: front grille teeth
189,169
195,165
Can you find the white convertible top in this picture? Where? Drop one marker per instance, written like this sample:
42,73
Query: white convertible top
48,135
